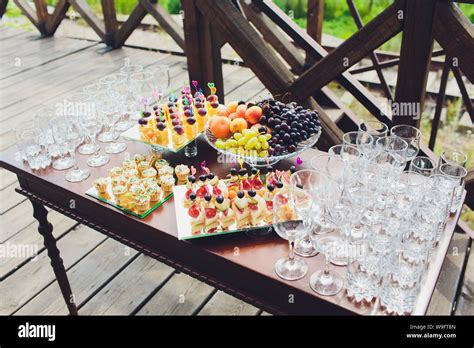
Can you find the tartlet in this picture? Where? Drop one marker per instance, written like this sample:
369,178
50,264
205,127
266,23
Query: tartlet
142,202
182,172
100,184
167,183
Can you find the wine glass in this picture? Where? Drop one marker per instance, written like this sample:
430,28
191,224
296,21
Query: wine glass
95,88
422,165
376,129
326,282
143,88
91,126
312,182
31,149
75,138
161,73
110,112
59,127
291,227
110,80
363,141
126,103
411,135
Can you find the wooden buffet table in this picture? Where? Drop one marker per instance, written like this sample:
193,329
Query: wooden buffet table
239,264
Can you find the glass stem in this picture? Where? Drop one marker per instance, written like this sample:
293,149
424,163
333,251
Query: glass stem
326,264
291,256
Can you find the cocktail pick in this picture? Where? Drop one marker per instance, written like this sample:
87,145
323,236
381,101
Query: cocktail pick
212,87
195,84
193,171
299,161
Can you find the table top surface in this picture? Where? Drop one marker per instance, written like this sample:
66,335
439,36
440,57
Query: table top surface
256,255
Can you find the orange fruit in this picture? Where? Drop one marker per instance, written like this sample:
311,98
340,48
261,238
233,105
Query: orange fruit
238,125
220,126
253,114
232,106
222,111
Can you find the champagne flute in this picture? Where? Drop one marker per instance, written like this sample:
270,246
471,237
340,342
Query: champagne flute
75,138
411,135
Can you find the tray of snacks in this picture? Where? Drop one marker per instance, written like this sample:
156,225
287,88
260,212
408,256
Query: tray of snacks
263,133
139,185
174,124
209,206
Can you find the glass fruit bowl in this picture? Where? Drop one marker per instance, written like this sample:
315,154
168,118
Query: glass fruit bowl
257,161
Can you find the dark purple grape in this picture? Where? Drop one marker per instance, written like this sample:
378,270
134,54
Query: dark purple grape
219,199
179,130
143,121
285,127
241,102
262,129
286,137
191,120
202,111
291,148
161,126
266,109
263,120
176,122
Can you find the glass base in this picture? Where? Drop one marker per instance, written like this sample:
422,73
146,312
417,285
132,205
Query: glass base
114,148
88,149
63,163
98,161
107,137
191,150
304,247
291,269
326,283
77,175
123,126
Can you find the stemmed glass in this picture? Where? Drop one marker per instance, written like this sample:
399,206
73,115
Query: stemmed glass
422,165
126,103
161,73
109,110
313,182
363,141
129,70
326,282
291,227
376,129
143,88
31,148
411,135
91,126
75,138
60,128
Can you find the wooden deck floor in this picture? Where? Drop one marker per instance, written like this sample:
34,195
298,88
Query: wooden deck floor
107,277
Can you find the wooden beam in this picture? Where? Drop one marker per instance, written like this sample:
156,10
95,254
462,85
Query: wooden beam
383,27
455,33
465,95
203,49
165,21
303,40
439,104
375,60
110,21
58,15
272,34
89,16
3,7
415,57
314,24
42,15
28,11
133,21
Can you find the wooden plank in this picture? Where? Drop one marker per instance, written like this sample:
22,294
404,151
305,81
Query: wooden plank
465,301
415,57
124,293
89,16
181,295
57,16
127,28
272,34
15,220
6,178
165,21
10,198
85,277
315,18
224,304
445,292
29,236
358,46
35,276
452,23
464,93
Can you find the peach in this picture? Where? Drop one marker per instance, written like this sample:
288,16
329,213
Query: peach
241,109
233,116
220,126
232,106
238,125
253,114
222,111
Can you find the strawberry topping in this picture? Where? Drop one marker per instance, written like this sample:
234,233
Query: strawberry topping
210,213
194,211
202,191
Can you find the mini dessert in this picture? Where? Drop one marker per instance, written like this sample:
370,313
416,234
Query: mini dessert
227,215
149,173
241,209
243,178
212,220
118,180
182,172
141,166
201,118
154,192
142,203
161,163
128,173
202,189
255,207
166,170
127,200
100,185
118,191
150,181
167,183
198,218
191,127
130,164
162,137
189,199
134,180
139,158
115,171
137,189
268,198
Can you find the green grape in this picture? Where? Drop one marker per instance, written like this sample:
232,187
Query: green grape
263,154
233,150
245,131
242,141
237,136
265,145
269,136
258,145
262,138
232,143
251,143
220,144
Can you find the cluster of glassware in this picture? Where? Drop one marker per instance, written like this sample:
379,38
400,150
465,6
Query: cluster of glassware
84,119
373,205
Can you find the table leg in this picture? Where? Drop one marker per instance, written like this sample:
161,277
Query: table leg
45,228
